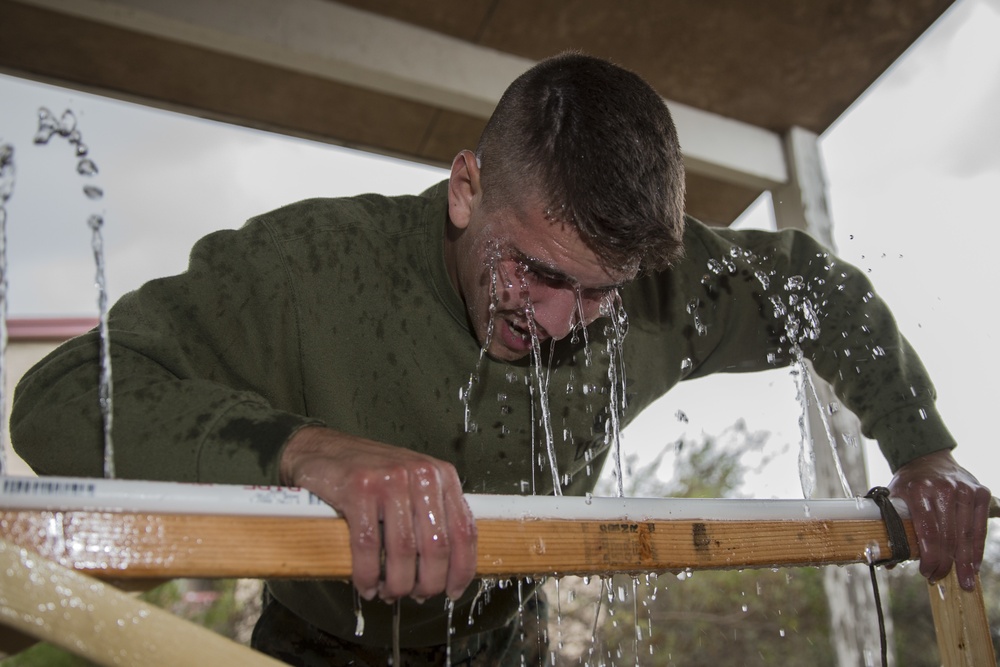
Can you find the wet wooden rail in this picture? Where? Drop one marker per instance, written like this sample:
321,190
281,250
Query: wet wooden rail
133,548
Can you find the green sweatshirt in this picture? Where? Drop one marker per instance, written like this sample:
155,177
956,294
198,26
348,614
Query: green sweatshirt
340,311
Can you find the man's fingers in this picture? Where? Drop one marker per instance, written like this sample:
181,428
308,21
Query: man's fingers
399,541
932,521
971,515
965,547
411,532
366,547
463,534
431,527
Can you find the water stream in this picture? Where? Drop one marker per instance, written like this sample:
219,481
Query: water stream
65,126
7,173
798,317
616,378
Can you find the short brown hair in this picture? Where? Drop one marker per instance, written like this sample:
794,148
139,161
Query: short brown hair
597,143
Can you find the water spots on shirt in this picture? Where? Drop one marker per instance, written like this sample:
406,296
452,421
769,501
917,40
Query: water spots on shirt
195,433
258,436
314,258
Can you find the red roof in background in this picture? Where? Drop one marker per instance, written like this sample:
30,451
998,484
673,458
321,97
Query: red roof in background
48,328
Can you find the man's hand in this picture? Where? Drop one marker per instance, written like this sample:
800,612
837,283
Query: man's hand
397,502
949,509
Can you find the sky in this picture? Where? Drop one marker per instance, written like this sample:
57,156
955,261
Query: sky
913,172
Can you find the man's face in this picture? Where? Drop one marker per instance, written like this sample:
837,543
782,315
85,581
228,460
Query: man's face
528,273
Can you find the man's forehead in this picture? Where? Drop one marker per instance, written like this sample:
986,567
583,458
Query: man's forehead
545,236
598,274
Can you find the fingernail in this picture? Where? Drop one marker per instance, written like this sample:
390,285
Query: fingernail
368,594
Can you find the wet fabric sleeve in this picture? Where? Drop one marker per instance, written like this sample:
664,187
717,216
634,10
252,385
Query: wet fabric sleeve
760,296
206,373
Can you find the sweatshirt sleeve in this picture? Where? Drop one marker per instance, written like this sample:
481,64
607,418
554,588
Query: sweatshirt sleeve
761,297
206,375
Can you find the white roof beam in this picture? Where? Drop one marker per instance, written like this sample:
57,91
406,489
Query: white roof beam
363,49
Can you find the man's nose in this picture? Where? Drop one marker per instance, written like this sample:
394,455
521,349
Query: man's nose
556,309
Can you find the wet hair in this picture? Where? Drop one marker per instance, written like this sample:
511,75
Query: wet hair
596,144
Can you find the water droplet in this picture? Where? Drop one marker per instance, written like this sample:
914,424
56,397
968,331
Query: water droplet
86,167
93,192
795,283
6,172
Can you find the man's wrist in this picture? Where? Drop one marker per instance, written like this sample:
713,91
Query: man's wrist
302,441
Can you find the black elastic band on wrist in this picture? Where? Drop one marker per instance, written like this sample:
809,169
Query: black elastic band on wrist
898,543
899,547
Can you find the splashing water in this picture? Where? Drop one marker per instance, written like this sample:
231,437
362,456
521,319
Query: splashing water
581,327
541,388
799,317
96,222
6,190
466,392
449,607
65,126
807,457
396,614
616,377
359,616
827,427
485,586
801,324
539,376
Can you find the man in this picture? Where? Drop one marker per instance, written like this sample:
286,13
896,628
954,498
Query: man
393,354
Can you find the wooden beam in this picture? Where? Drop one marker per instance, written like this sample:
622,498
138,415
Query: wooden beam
963,630
143,545
135,547
342,44
108,627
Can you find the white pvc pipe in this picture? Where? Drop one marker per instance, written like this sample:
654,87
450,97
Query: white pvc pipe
117,495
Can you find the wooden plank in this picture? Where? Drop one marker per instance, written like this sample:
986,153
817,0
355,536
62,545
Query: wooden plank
108,627
144,546
963,630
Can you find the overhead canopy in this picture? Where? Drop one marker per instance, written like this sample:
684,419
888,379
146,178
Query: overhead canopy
418,79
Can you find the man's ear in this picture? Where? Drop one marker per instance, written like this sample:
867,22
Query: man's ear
464,190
